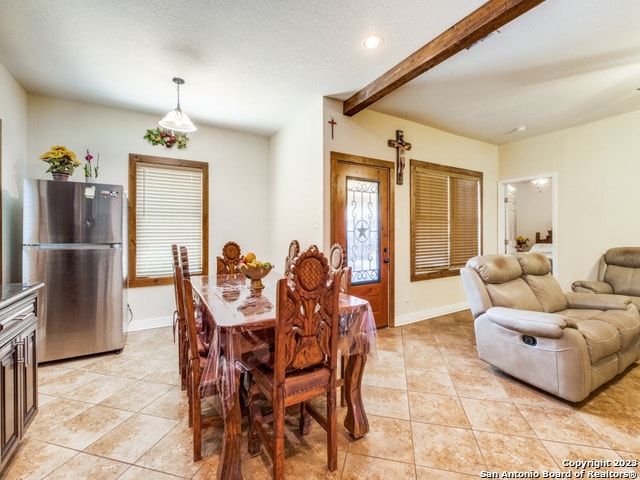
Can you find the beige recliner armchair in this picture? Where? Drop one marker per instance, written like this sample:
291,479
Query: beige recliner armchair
567,344
618,272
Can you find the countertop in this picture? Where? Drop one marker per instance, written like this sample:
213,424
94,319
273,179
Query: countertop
13,292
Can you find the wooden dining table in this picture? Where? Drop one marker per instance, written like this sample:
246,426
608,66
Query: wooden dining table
238,325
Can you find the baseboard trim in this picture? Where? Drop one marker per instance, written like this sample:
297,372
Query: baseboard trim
149,323
400,319
429,313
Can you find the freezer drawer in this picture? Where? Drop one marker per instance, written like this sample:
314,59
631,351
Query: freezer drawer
82,309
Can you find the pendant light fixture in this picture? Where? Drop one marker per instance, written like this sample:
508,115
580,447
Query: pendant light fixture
176,119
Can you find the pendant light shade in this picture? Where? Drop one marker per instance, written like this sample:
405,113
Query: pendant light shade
176,119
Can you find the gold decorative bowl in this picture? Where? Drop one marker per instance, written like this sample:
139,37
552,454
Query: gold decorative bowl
256,274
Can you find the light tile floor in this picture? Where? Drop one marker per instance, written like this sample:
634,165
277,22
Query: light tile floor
435,410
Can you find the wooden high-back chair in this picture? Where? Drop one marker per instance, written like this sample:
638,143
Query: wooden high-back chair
231,256
182,274
345,280
304,362
336,257
337,264
198,419
294,250
179,324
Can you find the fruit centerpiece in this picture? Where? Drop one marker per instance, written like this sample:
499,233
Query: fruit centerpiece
254,270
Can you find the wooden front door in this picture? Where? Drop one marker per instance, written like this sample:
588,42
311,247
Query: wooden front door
361,220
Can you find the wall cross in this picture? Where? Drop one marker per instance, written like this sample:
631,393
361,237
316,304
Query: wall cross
402,147
333,123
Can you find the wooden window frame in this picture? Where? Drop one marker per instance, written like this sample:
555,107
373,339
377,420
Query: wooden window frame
419,167
134,161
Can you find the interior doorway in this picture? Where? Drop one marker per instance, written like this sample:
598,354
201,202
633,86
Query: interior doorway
361,219
529,209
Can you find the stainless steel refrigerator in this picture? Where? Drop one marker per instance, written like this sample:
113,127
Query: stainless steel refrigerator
73,242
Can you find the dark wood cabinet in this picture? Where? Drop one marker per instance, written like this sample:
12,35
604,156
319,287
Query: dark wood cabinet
9,375
18,364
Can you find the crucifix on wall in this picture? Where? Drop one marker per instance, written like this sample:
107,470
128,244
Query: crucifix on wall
402,148
333,123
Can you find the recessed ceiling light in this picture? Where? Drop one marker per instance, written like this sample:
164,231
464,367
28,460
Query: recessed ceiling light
373,41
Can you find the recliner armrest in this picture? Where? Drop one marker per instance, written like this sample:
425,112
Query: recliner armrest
602,301
591,286
541,324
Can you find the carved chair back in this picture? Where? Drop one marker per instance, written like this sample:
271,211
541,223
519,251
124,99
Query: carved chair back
184,263
294,250
336,257
231,256
307,315
345,280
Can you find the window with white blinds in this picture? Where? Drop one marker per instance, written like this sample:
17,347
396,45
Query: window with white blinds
446,220
168,204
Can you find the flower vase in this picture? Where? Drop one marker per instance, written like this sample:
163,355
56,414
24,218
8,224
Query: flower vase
89,179
60,177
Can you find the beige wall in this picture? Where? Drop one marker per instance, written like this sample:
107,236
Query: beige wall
297,186
597,188
366,134
13,112
238,176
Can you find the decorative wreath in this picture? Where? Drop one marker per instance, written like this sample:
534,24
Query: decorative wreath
167,138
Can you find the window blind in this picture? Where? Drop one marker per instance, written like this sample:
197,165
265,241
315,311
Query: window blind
431,222
465,218
169,209
445,218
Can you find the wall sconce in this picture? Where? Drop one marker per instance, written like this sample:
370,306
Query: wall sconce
176,119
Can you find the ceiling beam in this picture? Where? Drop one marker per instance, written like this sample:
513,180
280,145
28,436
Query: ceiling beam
475,26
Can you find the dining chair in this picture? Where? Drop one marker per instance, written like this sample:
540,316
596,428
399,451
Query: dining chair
186,273
303,365
294,250
336,257
182,273
179,324
345,287
345,280
199,418
231,256
337,265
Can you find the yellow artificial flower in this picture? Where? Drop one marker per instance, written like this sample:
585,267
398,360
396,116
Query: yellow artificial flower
60,160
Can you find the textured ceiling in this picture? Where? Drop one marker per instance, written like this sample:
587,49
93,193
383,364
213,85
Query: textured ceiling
253,65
